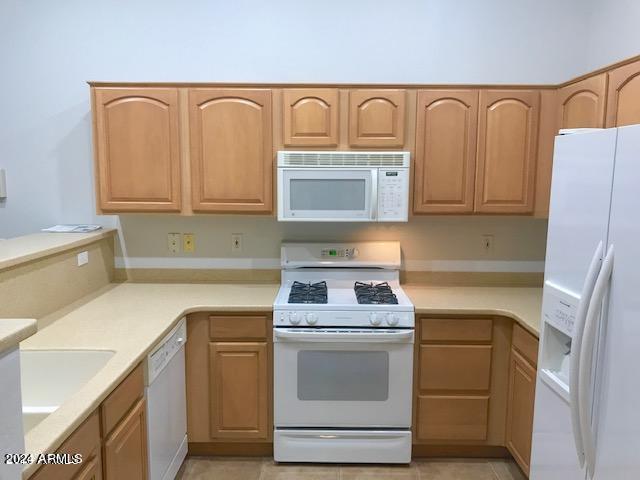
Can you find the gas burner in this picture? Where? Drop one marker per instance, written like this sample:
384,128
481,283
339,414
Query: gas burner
308,292
370,293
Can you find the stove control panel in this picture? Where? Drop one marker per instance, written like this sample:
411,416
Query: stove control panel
324,318
345,253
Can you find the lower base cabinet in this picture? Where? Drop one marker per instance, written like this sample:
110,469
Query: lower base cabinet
125,450
229,383
522,389
112,441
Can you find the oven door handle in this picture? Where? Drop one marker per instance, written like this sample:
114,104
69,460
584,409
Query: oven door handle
378,336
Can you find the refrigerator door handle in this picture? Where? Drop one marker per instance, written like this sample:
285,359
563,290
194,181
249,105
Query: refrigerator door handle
576,347
586,359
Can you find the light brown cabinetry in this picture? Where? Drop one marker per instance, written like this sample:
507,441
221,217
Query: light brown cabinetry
522,384
231,150
623,98
310,117
137,149
85,440
582,104
125,449
238,389
377,118
446,132
506,161
454,363
229,387
124,427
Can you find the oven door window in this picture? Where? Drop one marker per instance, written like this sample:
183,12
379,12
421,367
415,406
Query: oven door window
328,194
330,375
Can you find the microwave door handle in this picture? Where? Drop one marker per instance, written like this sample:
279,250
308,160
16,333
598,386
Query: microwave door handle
374,195
334,337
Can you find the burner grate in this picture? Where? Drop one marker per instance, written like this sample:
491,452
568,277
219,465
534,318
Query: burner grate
308,292
378,293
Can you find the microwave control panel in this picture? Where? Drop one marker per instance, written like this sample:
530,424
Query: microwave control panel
393,195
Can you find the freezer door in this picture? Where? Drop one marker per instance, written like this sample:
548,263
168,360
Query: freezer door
579,209
617,412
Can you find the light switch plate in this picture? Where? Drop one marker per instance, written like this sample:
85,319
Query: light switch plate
83,258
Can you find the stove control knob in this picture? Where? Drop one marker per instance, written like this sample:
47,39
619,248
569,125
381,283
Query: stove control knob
294,319
392,319
375,319
311,318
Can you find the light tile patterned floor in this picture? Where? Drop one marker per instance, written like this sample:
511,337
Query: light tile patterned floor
225,468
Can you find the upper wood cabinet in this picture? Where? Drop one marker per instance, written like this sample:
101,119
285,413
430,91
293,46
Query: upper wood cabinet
377,118
445,151
310,117
137,149
623,102
231,150
507,140
581,104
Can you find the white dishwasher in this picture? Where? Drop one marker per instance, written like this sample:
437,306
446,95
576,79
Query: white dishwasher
167,405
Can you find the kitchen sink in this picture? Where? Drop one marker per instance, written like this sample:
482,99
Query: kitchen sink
49,377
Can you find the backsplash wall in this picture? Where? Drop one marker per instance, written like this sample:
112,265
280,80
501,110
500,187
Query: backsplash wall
434,243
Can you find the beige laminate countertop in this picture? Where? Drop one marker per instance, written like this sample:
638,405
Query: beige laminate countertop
522,304
128,319
131,318
14,251
15,330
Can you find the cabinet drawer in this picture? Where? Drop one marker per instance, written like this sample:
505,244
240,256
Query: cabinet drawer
526,344
456,329
85,440
238,327
455,367
452,417
121,400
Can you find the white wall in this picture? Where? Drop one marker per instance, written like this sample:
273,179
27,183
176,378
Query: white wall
614,32
49,49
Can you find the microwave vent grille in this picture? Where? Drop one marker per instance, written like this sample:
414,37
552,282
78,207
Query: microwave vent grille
343,159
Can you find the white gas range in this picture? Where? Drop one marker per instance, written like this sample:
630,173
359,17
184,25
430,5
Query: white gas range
343,355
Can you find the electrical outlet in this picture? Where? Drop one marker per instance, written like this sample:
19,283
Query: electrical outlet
83,258
236,242
173,242
188,242
487,244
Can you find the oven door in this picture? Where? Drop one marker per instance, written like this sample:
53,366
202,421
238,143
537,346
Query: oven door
327,194
342,378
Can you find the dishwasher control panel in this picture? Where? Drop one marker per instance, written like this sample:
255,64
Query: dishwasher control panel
165,350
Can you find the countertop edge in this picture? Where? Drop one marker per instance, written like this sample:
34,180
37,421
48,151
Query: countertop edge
74,242
13,331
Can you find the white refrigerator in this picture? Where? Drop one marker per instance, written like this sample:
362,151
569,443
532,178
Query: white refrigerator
587,408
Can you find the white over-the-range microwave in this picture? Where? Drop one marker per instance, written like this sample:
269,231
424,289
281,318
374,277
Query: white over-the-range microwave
343,186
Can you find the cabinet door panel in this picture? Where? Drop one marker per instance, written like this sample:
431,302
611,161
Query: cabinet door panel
455,367
581,104
508,134
125,450
231,150
522,384
310,117
445,151
623,103
137,149
92,469
239,396
452,417
376,118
